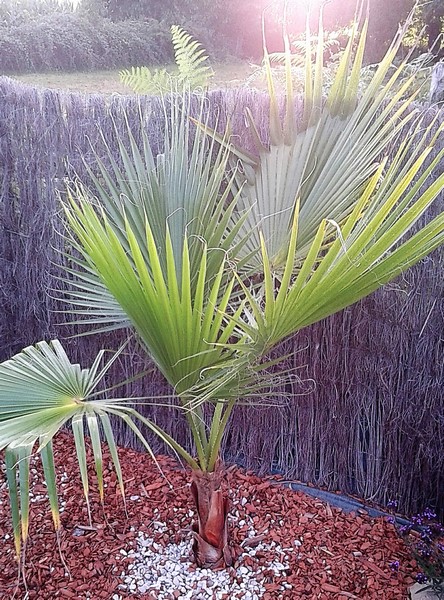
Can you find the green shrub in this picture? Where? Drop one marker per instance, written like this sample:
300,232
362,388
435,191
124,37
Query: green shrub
69,41
18,12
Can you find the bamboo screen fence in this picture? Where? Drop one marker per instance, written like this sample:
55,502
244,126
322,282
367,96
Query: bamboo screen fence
367,417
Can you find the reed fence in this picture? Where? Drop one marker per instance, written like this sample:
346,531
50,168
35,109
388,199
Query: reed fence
366,417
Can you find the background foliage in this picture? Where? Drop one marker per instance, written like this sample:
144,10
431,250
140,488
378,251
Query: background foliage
366,416
38,35
70,41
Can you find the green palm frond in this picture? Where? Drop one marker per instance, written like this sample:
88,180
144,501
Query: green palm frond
325,160
179,323
156,239
332,217
369,250
184,317
100,309
178,192
40,392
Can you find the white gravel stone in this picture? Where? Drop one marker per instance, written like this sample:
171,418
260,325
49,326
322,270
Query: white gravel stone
164,570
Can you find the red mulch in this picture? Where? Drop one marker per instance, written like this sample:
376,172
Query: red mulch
342,556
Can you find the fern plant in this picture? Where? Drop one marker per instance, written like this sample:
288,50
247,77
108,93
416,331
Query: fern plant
333,44
144,81
193,69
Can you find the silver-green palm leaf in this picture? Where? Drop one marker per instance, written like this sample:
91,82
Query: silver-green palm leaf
324,157
40,391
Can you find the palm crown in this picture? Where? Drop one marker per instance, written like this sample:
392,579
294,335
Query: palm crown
213,255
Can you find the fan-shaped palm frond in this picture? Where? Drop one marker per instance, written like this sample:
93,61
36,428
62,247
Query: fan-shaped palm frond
326,159
179,193
157,249
361,256
40,391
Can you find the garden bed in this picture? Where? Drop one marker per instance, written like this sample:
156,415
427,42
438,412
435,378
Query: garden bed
286,544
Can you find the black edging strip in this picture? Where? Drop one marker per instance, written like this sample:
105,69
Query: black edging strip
345,503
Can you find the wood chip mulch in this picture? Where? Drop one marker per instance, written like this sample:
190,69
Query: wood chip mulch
341,556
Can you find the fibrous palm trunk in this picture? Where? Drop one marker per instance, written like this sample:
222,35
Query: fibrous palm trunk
210,533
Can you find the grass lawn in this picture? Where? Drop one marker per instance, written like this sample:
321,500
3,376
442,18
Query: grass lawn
108,82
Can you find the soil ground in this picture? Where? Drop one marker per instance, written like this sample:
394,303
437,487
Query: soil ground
338,556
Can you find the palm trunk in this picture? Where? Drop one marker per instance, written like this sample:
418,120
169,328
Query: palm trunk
210,533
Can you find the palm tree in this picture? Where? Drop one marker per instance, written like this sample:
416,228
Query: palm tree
213,255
